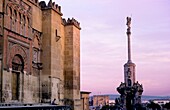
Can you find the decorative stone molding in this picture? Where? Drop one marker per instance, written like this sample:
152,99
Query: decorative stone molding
19,15
20,6
38,35
14,50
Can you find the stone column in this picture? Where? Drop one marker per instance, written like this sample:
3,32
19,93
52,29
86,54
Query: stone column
128,35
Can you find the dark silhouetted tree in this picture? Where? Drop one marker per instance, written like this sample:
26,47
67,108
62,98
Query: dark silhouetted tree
154,106
167,105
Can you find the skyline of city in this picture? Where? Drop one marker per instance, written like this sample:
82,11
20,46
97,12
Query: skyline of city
104,43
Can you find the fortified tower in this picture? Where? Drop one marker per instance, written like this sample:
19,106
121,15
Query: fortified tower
130,90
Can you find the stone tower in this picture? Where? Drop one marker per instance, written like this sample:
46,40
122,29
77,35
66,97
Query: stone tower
130,91
52,54
72,63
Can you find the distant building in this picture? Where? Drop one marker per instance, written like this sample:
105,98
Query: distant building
39,54
85,100
99,100
111,102
160,101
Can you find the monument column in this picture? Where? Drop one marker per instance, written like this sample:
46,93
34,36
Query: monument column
130,91
128,35
129,67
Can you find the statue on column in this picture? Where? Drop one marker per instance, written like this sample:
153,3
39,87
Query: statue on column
128,24
130,91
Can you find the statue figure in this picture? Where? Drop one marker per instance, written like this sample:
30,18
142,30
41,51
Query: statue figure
128,25
128,22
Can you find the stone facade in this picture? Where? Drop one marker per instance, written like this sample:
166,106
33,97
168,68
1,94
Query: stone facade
39,54
99,100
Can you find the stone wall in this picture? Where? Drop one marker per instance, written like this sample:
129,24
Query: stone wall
72,60
1,25
68,62
85,100
1,47
100,100
1,5
77,104
62,39
37,16
7,95
46,41
0,77
76,62
29,90
56,49
56,53
55,84
46,56
46,87
18,35
53,52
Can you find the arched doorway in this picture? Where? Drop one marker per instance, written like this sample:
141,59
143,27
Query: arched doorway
17,68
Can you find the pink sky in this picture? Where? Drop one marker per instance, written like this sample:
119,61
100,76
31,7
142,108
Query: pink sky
104,42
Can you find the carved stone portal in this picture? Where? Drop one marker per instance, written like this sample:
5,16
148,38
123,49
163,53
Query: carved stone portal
16,52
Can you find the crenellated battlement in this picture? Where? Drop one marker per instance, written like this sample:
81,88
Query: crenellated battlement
51,5
71,22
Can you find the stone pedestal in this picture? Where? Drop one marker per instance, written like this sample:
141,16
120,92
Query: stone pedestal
129,96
